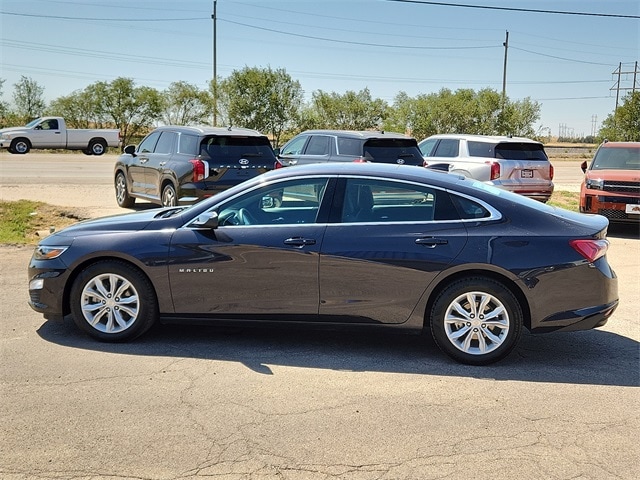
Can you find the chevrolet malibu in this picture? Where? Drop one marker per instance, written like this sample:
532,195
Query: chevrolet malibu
359,245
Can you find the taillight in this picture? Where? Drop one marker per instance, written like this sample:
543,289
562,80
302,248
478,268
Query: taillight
277,164
199,172
590,249
359,160
495,170
550,172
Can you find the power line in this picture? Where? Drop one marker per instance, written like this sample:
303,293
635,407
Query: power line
57,17
513,9
410,47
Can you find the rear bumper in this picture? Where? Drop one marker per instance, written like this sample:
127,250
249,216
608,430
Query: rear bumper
617,208
582,319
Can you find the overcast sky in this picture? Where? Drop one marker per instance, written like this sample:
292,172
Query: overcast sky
562,55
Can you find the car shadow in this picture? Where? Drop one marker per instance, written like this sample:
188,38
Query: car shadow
592,357
624,230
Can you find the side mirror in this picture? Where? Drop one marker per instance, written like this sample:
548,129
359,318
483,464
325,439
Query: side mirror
206,221
38,127
583,166
130,149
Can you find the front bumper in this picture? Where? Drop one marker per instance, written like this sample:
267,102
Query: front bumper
617,208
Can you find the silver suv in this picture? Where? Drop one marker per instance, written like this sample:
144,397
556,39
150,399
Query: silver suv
318,146
511,163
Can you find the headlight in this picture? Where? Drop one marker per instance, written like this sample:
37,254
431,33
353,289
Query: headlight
48,253
595,184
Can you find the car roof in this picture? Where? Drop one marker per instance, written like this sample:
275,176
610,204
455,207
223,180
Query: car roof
620,145
383,170
206,130
483,138
363,134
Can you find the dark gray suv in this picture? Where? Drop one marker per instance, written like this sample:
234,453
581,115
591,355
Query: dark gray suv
177,165
317,146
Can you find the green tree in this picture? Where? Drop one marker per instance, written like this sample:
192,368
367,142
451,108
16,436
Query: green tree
128,108
4,106
28,97
462,111
186,104
262,99
624,123
351,111
80,109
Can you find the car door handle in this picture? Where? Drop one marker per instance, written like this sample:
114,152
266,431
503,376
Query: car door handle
299,241
431,242
144,159
162,164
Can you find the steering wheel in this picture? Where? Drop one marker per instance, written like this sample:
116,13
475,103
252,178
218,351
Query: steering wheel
245,218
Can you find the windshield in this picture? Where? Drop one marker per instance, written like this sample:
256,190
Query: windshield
33,123
617,158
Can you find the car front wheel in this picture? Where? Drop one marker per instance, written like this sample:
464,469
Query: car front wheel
476,321
113,301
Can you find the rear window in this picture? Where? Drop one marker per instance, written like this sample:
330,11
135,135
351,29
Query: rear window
225,151
622,158
391,150
520,151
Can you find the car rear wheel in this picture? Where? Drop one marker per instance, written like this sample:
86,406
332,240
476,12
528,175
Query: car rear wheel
476,321
98,147
122,194
113,301
169,197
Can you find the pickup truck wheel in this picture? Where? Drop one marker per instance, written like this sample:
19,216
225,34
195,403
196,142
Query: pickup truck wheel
20,146
122,194
169,197
98,147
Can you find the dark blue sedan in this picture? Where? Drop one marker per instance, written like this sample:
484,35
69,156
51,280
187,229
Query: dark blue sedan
358,245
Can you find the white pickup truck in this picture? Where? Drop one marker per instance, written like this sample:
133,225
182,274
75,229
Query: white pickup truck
52,132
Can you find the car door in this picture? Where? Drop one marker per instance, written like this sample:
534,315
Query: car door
138,164
260,263
389,242
157,160
47,134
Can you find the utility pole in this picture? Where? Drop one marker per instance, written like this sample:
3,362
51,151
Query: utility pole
504,71
215,67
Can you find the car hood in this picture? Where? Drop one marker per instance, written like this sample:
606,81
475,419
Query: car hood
158,218
12,129
614,175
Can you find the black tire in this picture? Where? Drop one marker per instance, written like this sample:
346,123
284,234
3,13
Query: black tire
469,335
113,301
98,146
20,146
169,197
122,193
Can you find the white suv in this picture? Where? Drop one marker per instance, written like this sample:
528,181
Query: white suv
516,164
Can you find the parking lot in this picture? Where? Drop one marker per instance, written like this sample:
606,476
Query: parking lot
194,402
